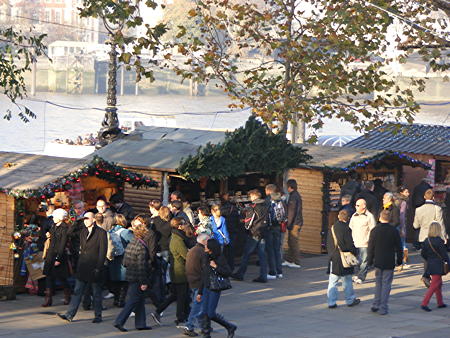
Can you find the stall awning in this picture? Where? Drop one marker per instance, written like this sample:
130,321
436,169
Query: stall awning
28,175
347,159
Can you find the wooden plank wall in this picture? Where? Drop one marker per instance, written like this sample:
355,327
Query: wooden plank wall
7,205
310,184
139,198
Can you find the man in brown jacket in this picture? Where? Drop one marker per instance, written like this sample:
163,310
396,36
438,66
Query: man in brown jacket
294,225
194,277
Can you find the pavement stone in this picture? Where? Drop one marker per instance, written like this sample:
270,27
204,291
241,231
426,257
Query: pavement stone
294,306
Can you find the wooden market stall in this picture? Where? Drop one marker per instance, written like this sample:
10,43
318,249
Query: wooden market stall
27,181
320,181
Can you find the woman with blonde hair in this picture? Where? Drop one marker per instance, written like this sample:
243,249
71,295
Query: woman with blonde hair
434,252
136,261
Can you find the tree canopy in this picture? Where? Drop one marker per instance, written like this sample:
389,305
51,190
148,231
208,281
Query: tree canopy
313,59
18,50
252,148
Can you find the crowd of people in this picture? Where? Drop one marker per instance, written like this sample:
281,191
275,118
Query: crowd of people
175,255
87,140
170,255
371,231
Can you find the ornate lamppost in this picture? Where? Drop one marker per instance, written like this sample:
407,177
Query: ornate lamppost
110,130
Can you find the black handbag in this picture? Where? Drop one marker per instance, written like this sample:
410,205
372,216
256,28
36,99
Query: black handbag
218,282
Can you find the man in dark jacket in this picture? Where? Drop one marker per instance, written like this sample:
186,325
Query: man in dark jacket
346,204
294,225
384,246
340,239
372,203
417,198
91,264
194,276
256,223
176,208
119,206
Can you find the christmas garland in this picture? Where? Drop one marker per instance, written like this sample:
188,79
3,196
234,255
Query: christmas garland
377,161
253,148
97,167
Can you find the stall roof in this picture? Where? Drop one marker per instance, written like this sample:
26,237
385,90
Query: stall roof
411,138
158,147
27,171
342,158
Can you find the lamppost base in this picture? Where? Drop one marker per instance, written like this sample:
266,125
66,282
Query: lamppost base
110,130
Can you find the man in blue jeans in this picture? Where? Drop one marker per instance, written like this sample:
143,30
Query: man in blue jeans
194,277
90,269
361,224
256,223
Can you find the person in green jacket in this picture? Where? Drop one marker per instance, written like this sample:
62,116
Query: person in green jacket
178,249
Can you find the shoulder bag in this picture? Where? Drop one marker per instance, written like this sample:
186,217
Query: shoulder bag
348,259
218,282
444,263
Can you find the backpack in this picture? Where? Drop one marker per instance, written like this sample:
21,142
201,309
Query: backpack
115,243
279,211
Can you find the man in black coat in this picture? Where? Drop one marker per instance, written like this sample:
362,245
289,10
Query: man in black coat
340,239
384,246
294,225
417,198
119,206
91,264
256,223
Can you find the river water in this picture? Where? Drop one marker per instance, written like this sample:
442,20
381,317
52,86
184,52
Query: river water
68,116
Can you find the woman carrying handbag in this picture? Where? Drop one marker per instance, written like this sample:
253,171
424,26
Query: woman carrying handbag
215,272
434,252
340,244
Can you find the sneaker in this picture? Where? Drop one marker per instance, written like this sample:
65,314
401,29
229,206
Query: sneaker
358,281
332,306
355,302
271,277
280,275
64,317
260,280
442,306
190,333
406,266
293,265
354,278
109,296
285,263
156,317
180,325
374,309
132,314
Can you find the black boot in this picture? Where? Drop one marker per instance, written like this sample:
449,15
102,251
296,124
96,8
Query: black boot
205,324
48,298
231,328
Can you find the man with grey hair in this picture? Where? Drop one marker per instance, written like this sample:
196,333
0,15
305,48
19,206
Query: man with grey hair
194,260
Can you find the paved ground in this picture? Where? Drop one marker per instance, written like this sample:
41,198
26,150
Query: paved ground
292,307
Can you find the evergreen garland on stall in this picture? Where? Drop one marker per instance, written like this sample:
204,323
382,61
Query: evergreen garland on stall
253,148
98,168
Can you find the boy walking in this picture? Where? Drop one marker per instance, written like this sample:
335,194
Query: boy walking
384,246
